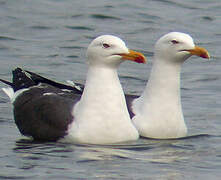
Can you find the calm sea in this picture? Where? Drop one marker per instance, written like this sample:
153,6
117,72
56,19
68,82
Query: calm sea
50,37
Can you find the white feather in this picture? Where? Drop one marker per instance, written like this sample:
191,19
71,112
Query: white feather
13,95
71,83
158,111
101,116
9,92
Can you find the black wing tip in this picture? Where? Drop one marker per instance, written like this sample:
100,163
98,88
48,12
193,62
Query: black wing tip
11,83
25,79
40,79
17,69
20,80
6,82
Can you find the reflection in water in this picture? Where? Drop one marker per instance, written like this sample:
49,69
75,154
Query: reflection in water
155,151
161,158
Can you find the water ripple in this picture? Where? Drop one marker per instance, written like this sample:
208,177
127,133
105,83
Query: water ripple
133,78
206,79
102,16
178,4
41,27
72,56
7,38
53,55
77,16
208,18
80,28
152,18
15,177
71,47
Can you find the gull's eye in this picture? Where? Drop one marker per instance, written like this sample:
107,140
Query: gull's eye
175,41
105,45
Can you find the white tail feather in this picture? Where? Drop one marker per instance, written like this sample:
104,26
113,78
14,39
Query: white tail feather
13,95
10,92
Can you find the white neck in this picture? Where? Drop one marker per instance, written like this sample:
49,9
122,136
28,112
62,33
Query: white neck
158,110
101,116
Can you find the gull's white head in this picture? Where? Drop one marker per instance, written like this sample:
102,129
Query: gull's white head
177,47
108,50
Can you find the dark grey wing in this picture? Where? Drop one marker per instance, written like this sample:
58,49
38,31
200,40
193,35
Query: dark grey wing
25,79
45,112
129,99
40,79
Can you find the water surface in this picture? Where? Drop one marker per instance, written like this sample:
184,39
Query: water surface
50,37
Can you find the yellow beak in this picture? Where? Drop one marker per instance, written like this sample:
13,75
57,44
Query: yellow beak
199,51
134,56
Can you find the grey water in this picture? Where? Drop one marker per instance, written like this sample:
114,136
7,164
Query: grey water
50,37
